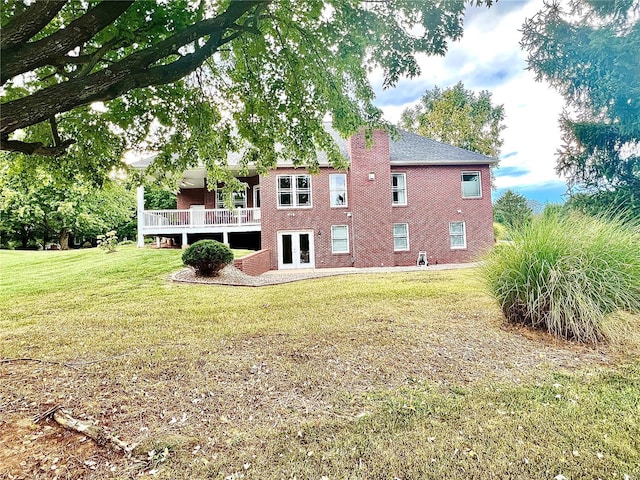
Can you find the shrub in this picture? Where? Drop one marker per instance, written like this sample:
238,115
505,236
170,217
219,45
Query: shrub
567,274
108,242
207,257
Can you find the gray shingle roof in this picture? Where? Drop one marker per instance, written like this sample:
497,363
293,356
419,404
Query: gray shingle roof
413,149
408,149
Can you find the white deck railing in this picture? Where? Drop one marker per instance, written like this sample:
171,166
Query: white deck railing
200,218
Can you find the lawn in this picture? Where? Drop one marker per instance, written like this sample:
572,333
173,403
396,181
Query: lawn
403,375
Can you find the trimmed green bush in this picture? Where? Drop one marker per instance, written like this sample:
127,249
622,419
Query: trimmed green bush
567,274
207,257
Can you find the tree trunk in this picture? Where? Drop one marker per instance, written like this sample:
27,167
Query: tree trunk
64,239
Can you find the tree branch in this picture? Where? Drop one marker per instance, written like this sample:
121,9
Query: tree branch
29,56
35,148
23,27
132,72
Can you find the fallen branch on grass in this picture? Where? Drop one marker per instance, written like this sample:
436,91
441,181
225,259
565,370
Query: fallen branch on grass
64,364
95,433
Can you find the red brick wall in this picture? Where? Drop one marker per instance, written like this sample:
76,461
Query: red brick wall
254,264
319,218
435,199
371,201
191,196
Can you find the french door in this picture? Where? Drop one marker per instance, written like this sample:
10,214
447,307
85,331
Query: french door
295,249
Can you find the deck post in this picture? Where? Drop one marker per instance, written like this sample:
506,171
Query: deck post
225,237
185,240
140,202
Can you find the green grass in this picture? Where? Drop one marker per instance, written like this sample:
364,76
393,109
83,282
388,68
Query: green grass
407,375
568,275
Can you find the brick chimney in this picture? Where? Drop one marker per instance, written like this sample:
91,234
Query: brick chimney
370,201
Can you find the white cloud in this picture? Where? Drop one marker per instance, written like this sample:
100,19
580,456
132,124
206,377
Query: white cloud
489,57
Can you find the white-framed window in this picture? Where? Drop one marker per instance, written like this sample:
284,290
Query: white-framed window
239,199
458,235
400,237
471,185
256,196
399,188
338,189
294,191
339,239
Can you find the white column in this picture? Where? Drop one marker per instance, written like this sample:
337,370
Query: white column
225,238
158,242
140,193
185,239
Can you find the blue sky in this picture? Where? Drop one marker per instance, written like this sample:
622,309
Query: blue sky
488,57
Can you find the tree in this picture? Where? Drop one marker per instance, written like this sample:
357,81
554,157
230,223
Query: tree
459,117
512,210
589,53
196,80
38,206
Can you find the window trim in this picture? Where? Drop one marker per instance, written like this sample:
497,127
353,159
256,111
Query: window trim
464,236
293,190
471,172
332,190
333,251
406,231
393,189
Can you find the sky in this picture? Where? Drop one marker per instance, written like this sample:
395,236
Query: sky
489,57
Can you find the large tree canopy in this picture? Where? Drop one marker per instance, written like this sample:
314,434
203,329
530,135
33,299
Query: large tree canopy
196,79
459,117
590,53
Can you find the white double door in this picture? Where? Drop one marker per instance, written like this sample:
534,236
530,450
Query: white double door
295,249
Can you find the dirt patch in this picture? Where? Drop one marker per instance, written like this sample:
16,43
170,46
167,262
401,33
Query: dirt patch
48,451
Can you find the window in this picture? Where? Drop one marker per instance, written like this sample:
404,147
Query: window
471,185
400,236
399,188
294,191
338,189
239,199
339,239
458,235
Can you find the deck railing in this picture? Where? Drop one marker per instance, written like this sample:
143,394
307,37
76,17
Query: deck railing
200,218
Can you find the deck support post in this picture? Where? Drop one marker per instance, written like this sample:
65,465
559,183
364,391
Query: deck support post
185,240
225,238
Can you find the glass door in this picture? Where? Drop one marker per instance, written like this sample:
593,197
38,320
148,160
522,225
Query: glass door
295,250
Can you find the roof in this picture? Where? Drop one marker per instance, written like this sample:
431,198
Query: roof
413,149
407,149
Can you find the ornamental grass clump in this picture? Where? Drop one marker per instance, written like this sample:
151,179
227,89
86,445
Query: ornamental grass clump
207,257
568,274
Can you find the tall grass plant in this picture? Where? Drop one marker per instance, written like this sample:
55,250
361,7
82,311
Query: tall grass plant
568,274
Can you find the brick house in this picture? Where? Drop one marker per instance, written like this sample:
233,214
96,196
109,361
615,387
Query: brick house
399,199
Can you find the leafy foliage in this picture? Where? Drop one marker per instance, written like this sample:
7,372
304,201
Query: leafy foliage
196,80
512,210
567,273
37,205
589,53
207,257
459,117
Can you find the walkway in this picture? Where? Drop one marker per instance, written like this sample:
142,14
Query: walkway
232,276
